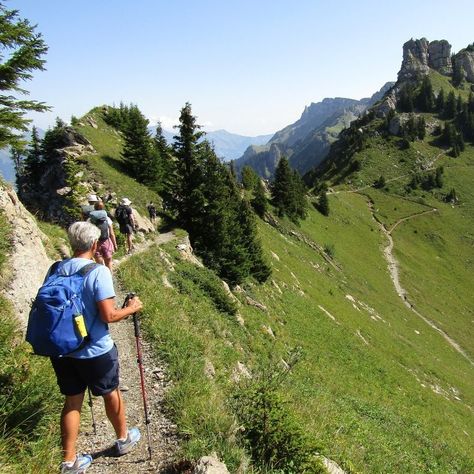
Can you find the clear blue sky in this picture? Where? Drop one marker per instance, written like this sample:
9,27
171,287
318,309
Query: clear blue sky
247,66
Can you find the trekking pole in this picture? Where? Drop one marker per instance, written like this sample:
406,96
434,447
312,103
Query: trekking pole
136,326
92,411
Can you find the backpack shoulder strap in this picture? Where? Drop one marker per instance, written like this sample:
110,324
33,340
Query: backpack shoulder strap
54,267
86,269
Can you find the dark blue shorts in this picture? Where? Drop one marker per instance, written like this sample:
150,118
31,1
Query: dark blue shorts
100,374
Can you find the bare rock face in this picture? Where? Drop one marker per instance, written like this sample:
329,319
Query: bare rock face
187,252
439,57
420,55
415,59
28,260
210,465
465,58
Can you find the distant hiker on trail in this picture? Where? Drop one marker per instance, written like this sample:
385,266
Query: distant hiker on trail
95,364
152,212
92,199
107,242
126,220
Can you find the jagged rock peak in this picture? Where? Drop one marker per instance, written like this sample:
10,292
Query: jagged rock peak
420,55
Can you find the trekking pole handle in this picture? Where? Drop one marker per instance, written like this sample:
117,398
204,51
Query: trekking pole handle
128,297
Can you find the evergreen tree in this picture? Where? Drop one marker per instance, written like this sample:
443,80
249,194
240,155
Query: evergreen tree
139,155
186,199
425,98
260,202
299,206
233,172
33,165
380,182
21,52
208,205
406,99
450,108
249,178
440,102
323,204
282,187
458,74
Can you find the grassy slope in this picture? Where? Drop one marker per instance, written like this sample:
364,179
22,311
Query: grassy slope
29,400
378,389
370,406
107,166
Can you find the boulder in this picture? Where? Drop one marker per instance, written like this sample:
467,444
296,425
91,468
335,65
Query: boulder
187,253
210,465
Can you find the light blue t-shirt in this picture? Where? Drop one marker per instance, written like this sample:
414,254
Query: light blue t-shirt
98,286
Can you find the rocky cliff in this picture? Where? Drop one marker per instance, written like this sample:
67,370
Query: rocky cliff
306,142
28,262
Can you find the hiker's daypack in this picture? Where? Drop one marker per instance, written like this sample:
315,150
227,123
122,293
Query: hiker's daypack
56,325
100,219
122,215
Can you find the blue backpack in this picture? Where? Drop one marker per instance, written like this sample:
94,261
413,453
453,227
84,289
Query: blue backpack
56,322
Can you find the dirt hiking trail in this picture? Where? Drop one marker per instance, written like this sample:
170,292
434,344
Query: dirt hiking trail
163,433
393,268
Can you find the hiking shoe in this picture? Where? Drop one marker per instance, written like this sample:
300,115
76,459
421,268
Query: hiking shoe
125,446
80,465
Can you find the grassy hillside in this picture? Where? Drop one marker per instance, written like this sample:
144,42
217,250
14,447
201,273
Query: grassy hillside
377,390
106,166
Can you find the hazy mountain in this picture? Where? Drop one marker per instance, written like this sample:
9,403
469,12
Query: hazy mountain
306,142
228,146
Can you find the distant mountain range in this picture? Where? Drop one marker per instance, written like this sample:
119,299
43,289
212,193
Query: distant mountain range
227,145
306,142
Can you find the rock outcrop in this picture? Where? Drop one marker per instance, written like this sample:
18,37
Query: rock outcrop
210,465
419,56
28,262
465,60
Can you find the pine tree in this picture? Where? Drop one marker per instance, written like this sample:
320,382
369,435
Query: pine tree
186,200
323,204
440,102
249,178
138,152
439,176
282,187
21,52
458,74
33,165
260,202
425,98
450,108
421,128
406,100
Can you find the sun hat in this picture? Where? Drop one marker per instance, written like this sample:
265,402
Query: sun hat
92,198
125,202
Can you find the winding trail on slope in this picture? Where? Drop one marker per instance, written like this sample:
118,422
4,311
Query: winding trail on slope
162,430
393,268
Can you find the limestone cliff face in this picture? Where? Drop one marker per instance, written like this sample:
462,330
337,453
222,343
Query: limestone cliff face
465,58
28,262
419,56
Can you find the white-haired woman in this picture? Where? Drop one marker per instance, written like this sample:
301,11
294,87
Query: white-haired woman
94,365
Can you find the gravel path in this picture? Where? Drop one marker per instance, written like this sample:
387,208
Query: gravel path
162,432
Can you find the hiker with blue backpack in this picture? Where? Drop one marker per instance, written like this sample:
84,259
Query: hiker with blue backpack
69,323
